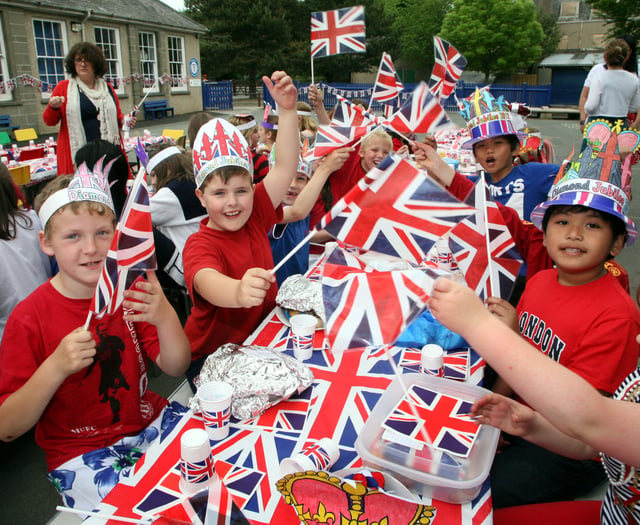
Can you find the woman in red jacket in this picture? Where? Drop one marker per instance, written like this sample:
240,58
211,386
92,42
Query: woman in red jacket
85,105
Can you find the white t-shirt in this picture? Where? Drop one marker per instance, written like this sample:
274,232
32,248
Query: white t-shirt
613,93
23,266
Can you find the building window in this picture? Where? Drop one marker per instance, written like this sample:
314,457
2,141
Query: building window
148,60
177,67
50,51
108,40
570,9
5,92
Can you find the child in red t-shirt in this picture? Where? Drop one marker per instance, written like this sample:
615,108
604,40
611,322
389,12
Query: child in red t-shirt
227,262
85,390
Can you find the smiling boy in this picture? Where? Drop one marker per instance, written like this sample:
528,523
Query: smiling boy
227,261
576,312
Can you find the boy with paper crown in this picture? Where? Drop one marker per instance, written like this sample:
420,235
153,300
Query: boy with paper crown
495,144
576,312
227,261
86,390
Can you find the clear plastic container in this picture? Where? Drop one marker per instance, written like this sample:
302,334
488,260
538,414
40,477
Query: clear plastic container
429,472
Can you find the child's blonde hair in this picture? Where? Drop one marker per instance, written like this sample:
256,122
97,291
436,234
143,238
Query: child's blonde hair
378,133
246,133
195,123
60,183
306,121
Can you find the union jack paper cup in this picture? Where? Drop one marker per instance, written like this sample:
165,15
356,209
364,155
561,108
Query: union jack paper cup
196,461
214,399
432,360
303,327
319,455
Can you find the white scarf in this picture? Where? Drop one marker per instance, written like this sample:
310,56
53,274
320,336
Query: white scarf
101,98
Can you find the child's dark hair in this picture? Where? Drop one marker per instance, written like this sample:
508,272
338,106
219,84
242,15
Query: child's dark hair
176,167
617,226
195,123
514,142
10,211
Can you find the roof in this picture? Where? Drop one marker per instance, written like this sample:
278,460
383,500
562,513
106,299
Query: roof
576,59
146,12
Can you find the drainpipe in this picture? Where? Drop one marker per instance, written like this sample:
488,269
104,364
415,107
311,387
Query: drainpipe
89,12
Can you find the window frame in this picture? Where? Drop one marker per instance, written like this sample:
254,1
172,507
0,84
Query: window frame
176,87
115,44
7,94
153,61
65,48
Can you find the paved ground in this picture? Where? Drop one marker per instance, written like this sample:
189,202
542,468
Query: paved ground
27,497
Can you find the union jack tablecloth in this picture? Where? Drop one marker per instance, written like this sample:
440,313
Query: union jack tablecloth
345,390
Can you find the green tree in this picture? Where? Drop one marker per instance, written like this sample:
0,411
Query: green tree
416,22
624,16
497,36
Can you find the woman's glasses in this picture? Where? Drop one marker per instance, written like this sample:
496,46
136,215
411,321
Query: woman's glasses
80,60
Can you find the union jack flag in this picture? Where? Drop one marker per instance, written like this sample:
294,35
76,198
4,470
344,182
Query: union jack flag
197,471
422,113
484,249
338,31
397,210
132,251
456,362
318,456
446,420
448,67
330,138
357,301
348,114
216,419
388,85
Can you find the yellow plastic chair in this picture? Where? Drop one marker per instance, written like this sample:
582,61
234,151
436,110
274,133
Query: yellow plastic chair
175,134
25,134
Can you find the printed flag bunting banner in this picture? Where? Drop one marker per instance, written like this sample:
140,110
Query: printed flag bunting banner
448,67
339,31
330,138
388,86
446,419
365,307
484,249
397,210
422,113
131,254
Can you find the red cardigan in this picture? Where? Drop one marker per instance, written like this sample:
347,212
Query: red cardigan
52,117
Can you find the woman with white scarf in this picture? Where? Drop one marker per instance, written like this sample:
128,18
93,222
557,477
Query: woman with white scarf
85,105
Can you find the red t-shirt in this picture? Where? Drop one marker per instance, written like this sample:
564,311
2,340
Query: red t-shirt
341,181
590,329
232,254
92,408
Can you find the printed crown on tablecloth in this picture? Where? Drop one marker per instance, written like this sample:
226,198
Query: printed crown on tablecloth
219,143
486,117
596,178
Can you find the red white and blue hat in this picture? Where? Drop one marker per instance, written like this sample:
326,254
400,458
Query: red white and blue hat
219,143
304,167
595,179
486,117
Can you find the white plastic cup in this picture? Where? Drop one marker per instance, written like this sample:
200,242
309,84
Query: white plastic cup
196,461
319,455
126,126
214,399
432,360
303,328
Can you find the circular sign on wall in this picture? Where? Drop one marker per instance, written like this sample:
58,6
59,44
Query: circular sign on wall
194,67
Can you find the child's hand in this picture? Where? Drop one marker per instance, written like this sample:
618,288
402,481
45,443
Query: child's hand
504,413
456,306
254,286
148,302
336,159
428,158
75,352
403,151
282,90
316,97
504,311
430,140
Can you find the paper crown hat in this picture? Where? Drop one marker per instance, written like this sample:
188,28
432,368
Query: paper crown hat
85,185
304,167
596,178
486,117
219,143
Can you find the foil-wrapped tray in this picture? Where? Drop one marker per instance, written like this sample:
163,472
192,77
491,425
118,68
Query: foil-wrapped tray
302,294
261,377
